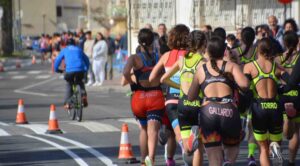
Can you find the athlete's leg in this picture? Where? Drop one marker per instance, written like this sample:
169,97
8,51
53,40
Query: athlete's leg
152,131
198,155
231,152
264,153
143,142
294,144
171,146
215,155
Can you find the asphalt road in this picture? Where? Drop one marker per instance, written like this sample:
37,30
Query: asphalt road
94,141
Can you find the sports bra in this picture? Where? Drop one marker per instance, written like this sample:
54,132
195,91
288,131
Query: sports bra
289,65
244,59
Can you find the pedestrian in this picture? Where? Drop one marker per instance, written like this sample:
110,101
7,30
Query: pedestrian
188,110
88,50
123,45
267,118
100,51
80,37
220,130
290,100
111,51
276,30
177,41
147,101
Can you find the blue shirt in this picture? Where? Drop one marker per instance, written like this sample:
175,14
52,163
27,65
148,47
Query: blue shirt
75,60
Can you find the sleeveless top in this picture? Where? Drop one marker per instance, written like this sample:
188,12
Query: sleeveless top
173,57
190,63
217,79
289,65
244,59
262,75
144,72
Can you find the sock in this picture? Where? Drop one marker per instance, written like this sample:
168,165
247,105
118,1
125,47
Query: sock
251,149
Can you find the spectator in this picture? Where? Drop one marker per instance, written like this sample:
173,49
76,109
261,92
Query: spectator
123,50
238,34
111,50
276,30
267,33
80,38
99,59
232,42
88,50
207,28
163,38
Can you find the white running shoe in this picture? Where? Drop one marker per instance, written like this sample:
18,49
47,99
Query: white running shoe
276,154
148,161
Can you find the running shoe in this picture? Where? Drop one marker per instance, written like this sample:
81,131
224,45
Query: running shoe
193,141
251,161
148,161
276,154
170,162
163,135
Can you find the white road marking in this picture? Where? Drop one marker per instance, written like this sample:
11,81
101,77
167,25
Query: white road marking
77,159
3,124
37,128
3,133
97,127
43,76
23,90
13,72
19,77
94,152
34,72
129,120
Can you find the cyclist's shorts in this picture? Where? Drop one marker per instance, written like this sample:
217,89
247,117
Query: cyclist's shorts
171,108
267,120
187,115
148,105
220,124
292,97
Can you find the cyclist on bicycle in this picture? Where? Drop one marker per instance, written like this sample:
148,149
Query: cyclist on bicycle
77,63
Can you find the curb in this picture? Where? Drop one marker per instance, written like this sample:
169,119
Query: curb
24,64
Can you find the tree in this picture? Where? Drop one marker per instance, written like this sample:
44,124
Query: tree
6,27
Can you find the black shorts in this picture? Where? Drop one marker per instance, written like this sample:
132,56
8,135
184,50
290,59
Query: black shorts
187,115
291,97
172,108
220,124
267,119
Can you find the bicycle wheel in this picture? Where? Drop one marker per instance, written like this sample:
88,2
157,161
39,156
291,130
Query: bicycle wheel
79,105
72,112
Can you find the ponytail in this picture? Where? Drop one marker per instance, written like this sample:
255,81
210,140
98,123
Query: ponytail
288,55
215,66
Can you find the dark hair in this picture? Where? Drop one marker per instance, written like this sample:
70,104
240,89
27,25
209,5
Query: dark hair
196,40
247,37
215,48
70,41
162,24
178,37
102,37
292,22
265,48
88,33
231,37
256,29
266,28
290,40
145,39
208,27
220,32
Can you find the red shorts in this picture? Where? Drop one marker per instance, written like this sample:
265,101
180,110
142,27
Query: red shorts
147,105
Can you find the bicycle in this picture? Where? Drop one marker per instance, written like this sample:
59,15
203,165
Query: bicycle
75,103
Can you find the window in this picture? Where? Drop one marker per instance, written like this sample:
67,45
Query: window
58,11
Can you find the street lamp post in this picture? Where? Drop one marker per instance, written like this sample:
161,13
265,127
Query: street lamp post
44,26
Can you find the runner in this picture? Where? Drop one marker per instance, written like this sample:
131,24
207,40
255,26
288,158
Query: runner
147,101
188,111
290,100
244,54
219,118
266,115
177,41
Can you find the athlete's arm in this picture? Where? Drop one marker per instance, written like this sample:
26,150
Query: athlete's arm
156,71
240,79
58,60
127,69
194,88
166,77
125,82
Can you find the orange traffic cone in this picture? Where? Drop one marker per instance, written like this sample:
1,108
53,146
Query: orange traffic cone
18,63
1,67
33,61
125,152
53,123
21,117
